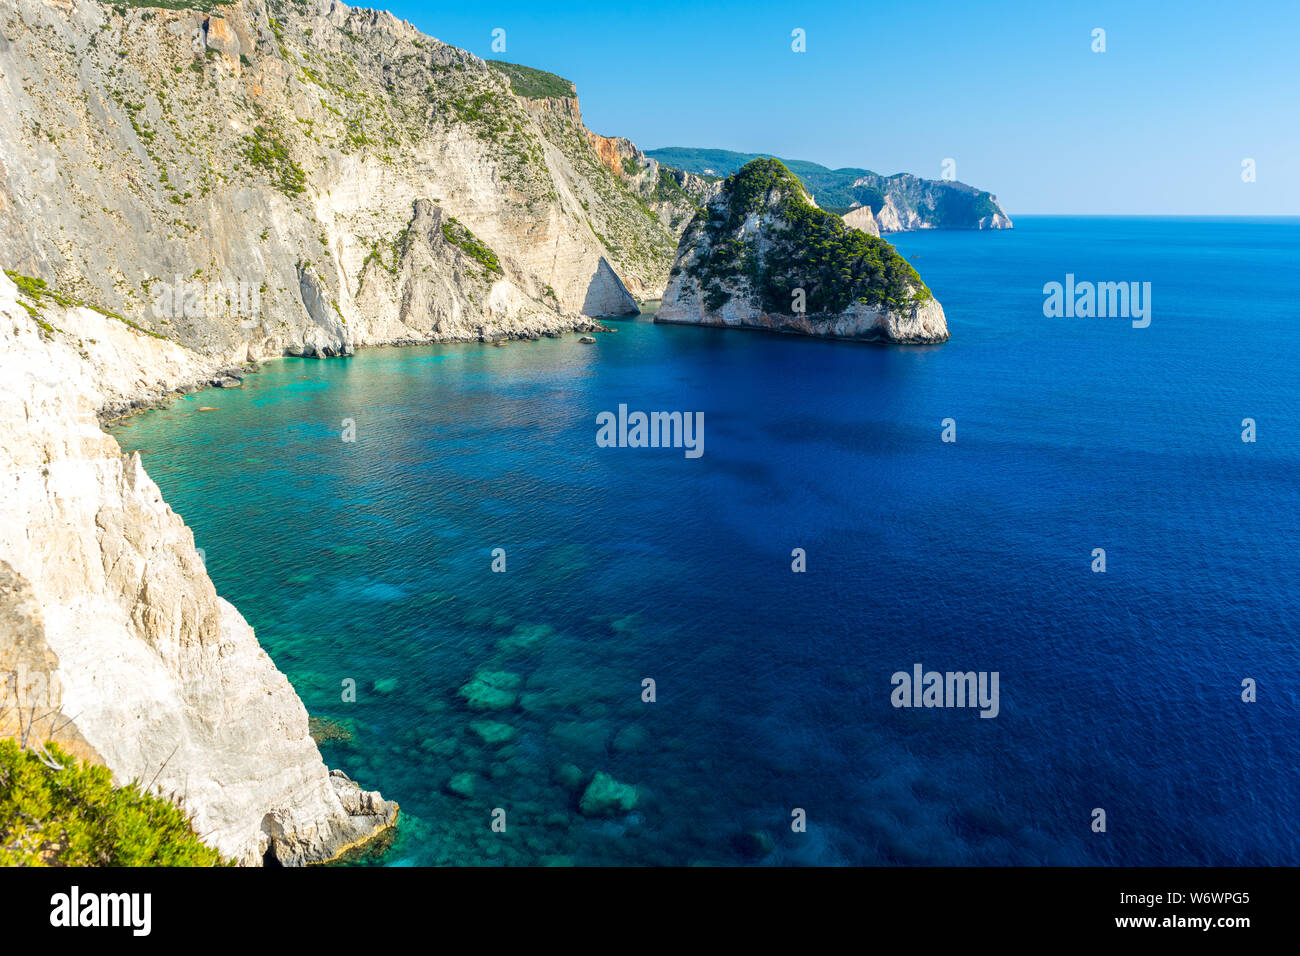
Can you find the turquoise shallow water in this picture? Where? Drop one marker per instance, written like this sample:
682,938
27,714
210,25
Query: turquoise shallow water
371,561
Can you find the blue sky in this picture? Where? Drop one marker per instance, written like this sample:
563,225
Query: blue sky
1012,91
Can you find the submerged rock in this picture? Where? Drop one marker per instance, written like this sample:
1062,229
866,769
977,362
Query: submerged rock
323,729
605,796
493,732
444,747
632,737
569,776
462,785
582,736
525,637
491,690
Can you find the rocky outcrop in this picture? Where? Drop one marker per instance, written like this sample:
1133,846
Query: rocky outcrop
29,686
997,220
104,597
762,256
444,284
307,154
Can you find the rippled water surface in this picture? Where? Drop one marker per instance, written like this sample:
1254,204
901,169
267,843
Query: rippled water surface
371,561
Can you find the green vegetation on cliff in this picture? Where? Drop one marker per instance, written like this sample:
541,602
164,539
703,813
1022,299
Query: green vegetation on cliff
39,293
62,812
669,190
534,84
724,162
203,6
266,150
805,248
459,236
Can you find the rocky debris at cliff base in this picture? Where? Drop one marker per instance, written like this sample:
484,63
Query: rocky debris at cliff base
369,817
362,803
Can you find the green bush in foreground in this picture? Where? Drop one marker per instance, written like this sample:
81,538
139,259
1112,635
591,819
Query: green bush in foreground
74,816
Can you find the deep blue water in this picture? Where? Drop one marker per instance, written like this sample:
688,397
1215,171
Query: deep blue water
371,561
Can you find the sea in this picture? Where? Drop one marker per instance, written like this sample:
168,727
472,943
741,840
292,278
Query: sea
552,650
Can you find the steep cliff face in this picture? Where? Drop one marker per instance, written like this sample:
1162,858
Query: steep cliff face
264,178
674,196
114,641
761,255
304,178
861,218
904,202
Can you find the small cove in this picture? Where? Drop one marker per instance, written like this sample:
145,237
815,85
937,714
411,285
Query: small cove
372,560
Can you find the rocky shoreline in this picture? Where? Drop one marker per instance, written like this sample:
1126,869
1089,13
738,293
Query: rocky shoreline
232,376
131,658
877,328
76,369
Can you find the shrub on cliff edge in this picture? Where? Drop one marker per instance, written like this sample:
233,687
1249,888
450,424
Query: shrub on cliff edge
70,814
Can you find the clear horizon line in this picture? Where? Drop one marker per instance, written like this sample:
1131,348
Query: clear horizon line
1161,215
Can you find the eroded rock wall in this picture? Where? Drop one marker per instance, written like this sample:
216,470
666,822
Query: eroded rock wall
100,583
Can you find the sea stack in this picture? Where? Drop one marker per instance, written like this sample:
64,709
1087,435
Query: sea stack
761,255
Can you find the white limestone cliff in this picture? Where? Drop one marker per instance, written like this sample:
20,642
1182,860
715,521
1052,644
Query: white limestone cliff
892,219
861,218
315,153
157,676
350,182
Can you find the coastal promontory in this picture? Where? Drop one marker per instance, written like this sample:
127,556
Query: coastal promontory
761,255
